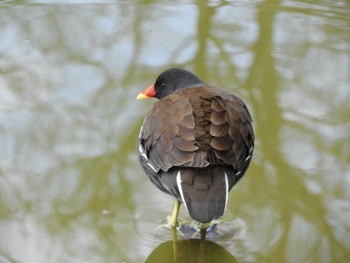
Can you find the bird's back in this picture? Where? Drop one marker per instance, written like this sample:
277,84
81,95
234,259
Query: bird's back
196,144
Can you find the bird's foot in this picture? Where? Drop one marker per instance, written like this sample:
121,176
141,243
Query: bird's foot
195,229
188,230
169,224
206,226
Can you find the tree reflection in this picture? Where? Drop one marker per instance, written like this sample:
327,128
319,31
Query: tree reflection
290,195
68,124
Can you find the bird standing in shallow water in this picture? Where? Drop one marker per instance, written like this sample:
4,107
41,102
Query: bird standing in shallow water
196,142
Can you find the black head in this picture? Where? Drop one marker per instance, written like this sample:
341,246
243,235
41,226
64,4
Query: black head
174,79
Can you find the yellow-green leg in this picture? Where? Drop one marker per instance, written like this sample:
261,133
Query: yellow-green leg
203,230
204,226
173,218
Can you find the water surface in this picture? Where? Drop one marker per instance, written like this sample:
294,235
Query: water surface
71,189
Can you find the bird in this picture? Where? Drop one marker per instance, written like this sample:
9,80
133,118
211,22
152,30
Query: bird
195,144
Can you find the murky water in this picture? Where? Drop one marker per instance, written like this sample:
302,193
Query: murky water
71,189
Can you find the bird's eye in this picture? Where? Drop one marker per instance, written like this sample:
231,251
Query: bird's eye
162,85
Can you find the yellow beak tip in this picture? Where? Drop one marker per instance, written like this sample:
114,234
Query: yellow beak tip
141,96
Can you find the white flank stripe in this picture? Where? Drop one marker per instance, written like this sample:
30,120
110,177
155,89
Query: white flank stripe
152,167
178,182
144,155
140,132
226,184
166,187
142,152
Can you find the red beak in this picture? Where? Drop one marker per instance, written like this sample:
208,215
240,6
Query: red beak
147,93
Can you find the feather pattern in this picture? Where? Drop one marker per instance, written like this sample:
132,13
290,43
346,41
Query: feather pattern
195,144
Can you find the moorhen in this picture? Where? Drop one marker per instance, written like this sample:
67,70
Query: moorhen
196,142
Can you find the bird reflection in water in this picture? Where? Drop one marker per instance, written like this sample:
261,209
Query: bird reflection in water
193,250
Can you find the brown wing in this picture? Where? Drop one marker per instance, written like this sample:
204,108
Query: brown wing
167,135
231,131
197,127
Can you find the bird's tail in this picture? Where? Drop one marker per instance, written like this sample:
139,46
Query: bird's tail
204,191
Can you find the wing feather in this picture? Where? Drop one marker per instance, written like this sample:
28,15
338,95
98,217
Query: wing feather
197,127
